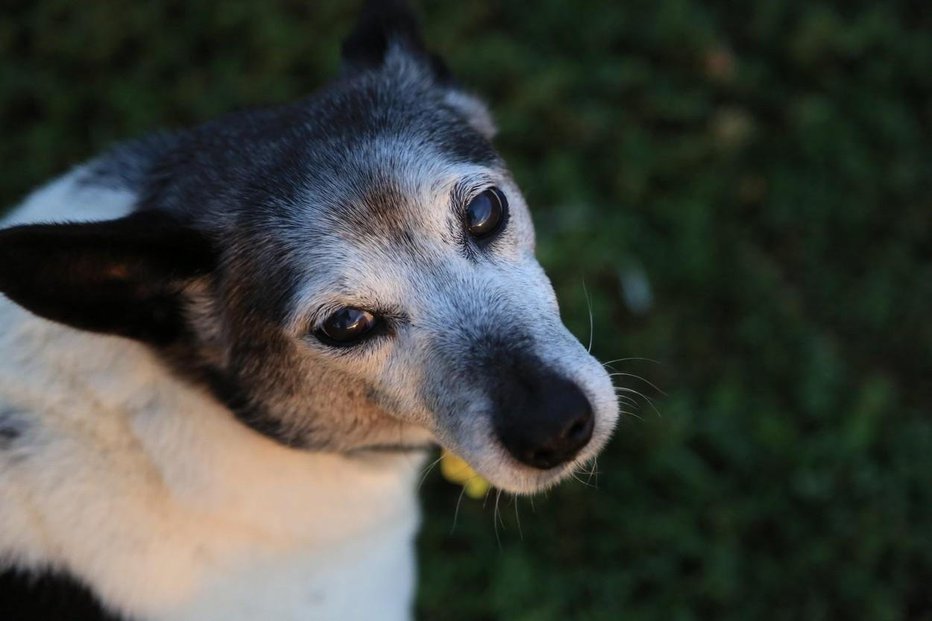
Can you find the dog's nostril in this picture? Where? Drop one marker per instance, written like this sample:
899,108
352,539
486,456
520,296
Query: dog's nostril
581,427
575,435
543,459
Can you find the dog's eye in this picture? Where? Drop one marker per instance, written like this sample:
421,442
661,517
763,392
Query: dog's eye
486,212
346,325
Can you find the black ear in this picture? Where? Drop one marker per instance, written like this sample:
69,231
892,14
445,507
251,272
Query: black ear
122,276
381,24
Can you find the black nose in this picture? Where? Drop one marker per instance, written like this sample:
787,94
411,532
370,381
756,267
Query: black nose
545,421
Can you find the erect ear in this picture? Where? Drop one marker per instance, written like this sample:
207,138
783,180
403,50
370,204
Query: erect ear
473,110
122,276
382,25
387,25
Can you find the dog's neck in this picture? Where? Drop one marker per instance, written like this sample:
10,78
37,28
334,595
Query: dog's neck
148,490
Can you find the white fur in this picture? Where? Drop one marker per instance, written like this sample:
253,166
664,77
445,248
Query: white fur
147,490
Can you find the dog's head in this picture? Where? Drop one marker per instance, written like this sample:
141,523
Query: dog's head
355,271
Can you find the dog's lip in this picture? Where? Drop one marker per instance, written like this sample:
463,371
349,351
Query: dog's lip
515,477
492,461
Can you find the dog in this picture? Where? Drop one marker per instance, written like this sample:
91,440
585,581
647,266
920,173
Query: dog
226,350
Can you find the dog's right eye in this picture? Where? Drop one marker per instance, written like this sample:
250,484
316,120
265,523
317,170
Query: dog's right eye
346,326
486,212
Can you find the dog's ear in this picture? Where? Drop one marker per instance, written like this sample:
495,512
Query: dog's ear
382,26
473,110
124,276
385,25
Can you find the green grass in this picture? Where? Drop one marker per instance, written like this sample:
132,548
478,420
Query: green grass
766,166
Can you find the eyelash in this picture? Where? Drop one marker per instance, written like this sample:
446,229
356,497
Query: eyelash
463,194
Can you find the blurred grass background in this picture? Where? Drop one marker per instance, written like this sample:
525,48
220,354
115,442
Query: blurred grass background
746,191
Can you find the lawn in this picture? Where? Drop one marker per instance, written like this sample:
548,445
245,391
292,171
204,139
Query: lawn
741,193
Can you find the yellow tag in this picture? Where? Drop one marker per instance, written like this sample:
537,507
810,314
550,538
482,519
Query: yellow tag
456,470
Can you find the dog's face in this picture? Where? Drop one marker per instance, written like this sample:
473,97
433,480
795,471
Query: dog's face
353,272
435,311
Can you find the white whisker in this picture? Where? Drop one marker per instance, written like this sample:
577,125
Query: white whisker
605,364
591,325
592,472
518,518
495,518
628,400
638,377
456,512
637,416
427,471
642,396
574,475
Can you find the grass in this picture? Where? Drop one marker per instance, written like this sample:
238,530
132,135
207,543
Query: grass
744,190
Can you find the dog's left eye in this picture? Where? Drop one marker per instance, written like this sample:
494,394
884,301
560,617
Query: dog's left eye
486,212
346,326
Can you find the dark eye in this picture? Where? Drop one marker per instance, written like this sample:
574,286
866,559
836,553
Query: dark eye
486,212
346,325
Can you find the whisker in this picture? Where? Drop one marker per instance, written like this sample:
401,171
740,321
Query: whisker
495,518
456,512
518,518
573,474
428,470
592,472
642,396
591,326
637,416
638,377
605,364
628,400
625,389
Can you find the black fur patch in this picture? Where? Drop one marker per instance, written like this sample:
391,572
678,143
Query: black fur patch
118,277
230,393
48,597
